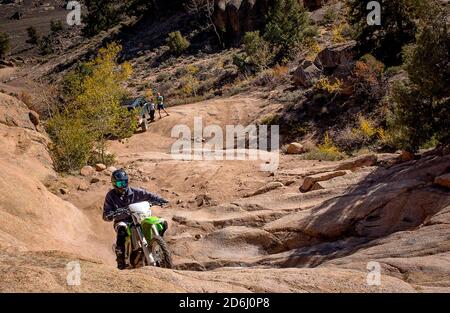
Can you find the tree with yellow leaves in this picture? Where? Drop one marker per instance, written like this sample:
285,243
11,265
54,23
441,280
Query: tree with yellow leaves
97,102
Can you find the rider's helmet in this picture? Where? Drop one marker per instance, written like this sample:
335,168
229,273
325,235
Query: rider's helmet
119,179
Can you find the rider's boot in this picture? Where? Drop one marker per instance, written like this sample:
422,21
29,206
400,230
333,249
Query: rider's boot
120,258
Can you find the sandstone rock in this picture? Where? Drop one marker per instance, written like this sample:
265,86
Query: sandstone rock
350,179
100,167
355,163
83,187
111,169
14,112
203,200
337,54
34,118
443,180
269,187
236,17
406,156
87,171
306,74
63,191
310,180
295,148
95,180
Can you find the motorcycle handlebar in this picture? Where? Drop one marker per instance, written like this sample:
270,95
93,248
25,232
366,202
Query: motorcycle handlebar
124,210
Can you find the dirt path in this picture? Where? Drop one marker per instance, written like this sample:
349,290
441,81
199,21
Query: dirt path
249,230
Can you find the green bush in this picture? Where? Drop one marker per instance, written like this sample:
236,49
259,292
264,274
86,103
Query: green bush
102,15
177,43
56,26
399,23
33,37
71,142
288,27
422,103
270,120
327,151
4,44
258,50
46,45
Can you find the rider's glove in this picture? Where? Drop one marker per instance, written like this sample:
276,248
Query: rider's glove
162,202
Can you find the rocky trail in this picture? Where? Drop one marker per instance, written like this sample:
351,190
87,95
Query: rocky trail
308,227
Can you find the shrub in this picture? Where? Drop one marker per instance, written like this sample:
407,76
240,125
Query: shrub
162,77
422,105
340,33
102,14
56,26
72,143
270,120
367,80
324,84
4,44
279,71
46,45
330,16
327,151
190,86
177,43
258,50
365,134
33,37
288,27
399,18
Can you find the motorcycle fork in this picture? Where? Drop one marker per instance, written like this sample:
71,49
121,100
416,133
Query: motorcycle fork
147,254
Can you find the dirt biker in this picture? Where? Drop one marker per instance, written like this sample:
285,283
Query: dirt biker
120,197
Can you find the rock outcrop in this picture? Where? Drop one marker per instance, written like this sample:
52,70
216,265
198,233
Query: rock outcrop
306,74
236,17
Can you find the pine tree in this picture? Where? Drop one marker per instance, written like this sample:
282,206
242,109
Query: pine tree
288,26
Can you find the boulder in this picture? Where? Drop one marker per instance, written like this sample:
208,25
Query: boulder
443,180
306,74
337,54
358,162
99,167
309,181
406,156
269,187
87,171
83,187
111,169
204,200
295,148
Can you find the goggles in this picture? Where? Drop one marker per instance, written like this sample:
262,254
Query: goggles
121,184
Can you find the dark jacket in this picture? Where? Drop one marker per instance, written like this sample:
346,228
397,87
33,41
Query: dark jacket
114,201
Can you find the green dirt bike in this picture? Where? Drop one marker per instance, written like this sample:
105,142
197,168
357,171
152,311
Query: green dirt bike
144,245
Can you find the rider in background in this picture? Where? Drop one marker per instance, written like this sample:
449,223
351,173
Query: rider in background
160,100
151,110
120,197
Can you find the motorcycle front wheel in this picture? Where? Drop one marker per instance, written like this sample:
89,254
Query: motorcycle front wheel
161,252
